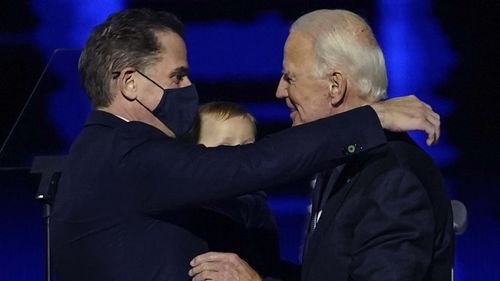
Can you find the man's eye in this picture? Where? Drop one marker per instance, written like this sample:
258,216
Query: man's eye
179,78
287,78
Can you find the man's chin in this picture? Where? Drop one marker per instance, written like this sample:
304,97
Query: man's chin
295,119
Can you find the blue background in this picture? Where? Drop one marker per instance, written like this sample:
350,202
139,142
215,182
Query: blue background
442,52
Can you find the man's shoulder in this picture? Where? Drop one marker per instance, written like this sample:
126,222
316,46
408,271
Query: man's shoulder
102,128
402,159
400,153
101,122
399,157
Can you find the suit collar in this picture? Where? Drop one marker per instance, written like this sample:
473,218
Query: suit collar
336,174
103,118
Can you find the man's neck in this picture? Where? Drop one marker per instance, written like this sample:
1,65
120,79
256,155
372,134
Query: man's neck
354,100
137,114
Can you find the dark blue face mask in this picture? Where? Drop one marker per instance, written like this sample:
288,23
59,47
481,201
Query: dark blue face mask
178,108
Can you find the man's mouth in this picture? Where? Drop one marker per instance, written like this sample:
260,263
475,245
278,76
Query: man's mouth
290,106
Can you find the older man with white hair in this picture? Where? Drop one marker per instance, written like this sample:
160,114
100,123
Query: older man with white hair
384,215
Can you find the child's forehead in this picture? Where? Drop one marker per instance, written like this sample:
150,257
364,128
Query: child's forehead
233,125
217,117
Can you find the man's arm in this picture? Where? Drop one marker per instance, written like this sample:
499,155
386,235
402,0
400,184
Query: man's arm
394,238
176,174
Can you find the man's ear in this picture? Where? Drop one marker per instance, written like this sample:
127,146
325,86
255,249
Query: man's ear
338,87
128,83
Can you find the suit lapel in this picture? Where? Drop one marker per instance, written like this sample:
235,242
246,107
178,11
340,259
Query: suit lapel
362,174
331,185
330,209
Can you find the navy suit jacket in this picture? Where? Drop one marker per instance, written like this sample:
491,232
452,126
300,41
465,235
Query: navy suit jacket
243,225
124,199
387,217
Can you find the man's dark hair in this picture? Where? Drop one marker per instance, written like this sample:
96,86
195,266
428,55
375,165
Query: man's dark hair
125,39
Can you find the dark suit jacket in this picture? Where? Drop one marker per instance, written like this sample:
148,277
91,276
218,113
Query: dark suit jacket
243,225
125,197
386,217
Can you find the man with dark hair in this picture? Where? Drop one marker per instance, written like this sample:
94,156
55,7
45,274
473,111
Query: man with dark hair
125,196
118,44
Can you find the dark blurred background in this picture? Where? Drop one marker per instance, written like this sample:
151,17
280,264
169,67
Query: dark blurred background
445,52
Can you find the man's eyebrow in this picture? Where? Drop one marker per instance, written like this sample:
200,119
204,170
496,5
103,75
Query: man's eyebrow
179,71
286,72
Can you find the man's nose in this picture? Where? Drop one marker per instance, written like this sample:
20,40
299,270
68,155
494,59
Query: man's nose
281,91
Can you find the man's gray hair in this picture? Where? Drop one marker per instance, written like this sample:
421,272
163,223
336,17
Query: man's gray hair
344,41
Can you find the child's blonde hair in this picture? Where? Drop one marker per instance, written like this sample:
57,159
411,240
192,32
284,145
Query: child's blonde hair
223,110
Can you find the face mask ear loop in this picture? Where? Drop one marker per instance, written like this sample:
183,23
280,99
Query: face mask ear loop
144,106
152,81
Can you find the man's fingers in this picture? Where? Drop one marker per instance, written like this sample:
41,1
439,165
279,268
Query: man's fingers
424,104
206,257
435,115
407,114
221,267
205,275
424,121
437,129
433,132
206,266
431,138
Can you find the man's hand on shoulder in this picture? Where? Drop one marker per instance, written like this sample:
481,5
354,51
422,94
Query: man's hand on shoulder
408,113
221,267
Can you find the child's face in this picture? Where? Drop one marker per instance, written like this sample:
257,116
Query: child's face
233,131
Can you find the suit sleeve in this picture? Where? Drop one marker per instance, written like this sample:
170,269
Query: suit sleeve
393,240
285,271
271,279
175,174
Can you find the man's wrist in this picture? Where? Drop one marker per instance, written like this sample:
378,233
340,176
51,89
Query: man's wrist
381,113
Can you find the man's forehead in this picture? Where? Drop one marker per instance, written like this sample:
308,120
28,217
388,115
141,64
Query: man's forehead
169,38
173,51
172,45
298,52
298,40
